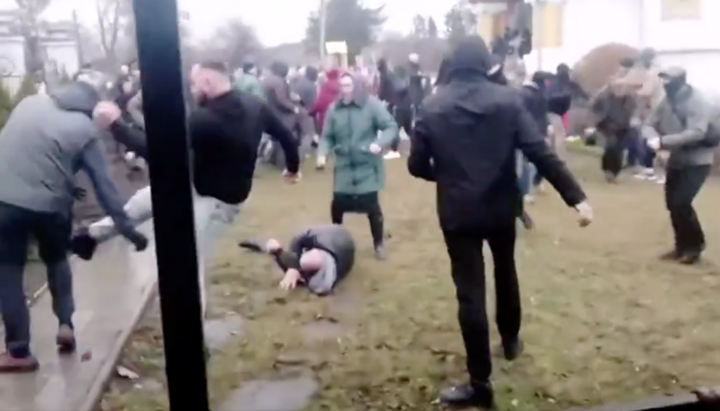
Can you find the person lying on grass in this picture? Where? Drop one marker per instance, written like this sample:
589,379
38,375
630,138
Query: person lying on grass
319,258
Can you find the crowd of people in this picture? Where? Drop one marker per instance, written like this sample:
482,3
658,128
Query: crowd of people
475,135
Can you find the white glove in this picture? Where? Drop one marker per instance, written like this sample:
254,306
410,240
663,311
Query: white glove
320,161
375,148
585,214
654,143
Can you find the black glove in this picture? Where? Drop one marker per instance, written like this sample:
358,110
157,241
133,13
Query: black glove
137,238
79,193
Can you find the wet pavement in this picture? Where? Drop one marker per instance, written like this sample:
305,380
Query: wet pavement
292,394
111,292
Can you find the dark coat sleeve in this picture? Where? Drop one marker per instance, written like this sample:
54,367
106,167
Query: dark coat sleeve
420,162
532,144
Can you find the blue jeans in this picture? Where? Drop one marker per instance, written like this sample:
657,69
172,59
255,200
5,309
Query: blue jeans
637,149
526,175
52,232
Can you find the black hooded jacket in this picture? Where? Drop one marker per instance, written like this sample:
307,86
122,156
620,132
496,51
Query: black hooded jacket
465,141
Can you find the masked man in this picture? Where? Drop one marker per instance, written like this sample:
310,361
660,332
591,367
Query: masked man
688,126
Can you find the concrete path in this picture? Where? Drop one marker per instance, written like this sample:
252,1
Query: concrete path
111,292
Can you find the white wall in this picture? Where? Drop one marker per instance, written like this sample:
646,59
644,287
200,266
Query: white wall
679,35
63,54
588,24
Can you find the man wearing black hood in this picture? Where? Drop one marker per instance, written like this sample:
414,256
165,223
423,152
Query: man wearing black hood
44,143
465,141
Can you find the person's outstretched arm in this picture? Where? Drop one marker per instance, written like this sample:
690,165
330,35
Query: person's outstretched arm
131,137
94,164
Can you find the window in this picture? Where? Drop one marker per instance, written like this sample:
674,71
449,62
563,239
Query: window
548,24
681,9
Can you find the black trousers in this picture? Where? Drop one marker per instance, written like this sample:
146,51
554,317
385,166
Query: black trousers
368,204
404,119
681,187
468,272
612,158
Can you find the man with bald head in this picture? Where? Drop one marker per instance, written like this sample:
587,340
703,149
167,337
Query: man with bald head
319,258
224,132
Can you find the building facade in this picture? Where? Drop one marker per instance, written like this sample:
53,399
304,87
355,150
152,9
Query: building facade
681,31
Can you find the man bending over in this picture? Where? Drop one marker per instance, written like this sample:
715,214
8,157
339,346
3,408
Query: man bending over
319,258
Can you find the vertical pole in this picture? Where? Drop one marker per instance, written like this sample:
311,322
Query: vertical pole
539,30
323,28
172,202
78,39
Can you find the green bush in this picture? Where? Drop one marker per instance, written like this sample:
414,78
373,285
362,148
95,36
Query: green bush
6,104
27,88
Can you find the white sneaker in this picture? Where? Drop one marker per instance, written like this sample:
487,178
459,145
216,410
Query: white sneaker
392,155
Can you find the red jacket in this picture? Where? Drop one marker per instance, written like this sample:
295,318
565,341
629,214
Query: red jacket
329,92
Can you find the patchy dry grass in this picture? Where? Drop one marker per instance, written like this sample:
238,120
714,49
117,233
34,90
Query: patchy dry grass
604,320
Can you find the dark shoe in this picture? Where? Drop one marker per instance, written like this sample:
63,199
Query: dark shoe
256,246
83,245
469,395
527,221
690,258
513,349
12,365
610,177
65,340
672,255
380,253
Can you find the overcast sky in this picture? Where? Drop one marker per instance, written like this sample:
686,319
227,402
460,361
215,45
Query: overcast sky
276,21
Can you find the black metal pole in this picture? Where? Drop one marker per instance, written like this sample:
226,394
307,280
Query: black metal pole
172,199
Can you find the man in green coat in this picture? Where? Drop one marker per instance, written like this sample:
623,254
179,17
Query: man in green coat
357,130
248,82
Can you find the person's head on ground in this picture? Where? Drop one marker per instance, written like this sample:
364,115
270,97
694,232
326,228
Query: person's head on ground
209,80
470,60
312,260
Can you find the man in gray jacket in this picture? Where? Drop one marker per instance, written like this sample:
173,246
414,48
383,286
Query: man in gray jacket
46,140
688,126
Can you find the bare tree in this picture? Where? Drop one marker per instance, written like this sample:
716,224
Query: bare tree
234,42
109,25
30,31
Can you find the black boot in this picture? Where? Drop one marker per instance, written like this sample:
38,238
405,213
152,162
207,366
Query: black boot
83,245
513,348
469,395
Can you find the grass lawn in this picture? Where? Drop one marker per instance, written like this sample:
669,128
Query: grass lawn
604,320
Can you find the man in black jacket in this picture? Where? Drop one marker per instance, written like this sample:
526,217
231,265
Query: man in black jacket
465,141
318,258
225,132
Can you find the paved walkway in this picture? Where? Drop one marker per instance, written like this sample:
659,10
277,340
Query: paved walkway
110,294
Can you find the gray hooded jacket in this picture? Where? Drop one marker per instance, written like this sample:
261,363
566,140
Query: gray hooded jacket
686,126
48,139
